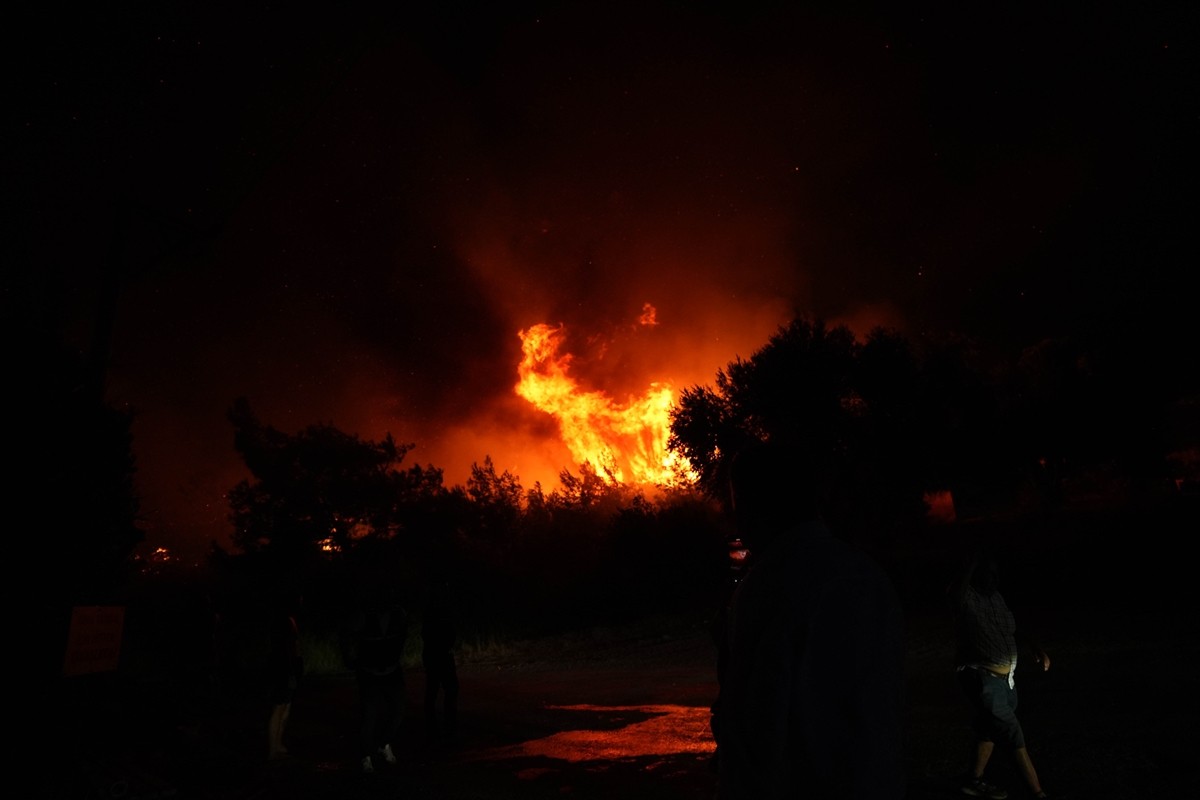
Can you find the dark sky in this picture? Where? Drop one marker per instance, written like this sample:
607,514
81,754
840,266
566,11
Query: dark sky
346,215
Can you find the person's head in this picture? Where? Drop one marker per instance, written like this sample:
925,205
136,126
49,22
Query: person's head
771,486
984,576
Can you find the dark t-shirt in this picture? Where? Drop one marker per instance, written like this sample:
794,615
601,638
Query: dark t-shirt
811,696
986,631
380,637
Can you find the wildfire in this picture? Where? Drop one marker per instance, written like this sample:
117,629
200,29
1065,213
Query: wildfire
628,443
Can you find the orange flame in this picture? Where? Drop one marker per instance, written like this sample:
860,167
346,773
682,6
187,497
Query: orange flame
628,443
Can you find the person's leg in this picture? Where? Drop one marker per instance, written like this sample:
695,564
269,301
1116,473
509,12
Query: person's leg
980,690
275,728
1009,727
975,692
395,703
432,687
1025,766
369,716
451,699
272,731
983,753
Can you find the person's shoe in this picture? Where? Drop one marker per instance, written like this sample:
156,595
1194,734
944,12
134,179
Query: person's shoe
367,766
978,787
388,755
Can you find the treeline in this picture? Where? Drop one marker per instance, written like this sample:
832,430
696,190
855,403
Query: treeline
335,514
889,419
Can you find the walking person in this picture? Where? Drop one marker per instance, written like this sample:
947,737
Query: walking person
985,666
378,633
438,636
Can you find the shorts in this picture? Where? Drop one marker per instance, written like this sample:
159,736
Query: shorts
993,707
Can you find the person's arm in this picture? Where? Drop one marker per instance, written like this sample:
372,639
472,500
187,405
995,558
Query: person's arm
1035,649
1026,639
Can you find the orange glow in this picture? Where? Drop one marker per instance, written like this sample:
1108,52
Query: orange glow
626,442
662,730
940,505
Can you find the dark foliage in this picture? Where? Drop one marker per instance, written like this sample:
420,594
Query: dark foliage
883,421
889,419
339,514
321,488
846,410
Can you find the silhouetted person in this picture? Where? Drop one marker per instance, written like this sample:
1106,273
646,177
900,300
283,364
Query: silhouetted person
811,685
214,657
204,654
285,667
986,664
438,636
378,633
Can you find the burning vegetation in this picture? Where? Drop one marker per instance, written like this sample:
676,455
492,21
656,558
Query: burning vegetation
625,442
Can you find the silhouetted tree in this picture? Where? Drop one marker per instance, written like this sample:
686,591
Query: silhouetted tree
705,425
887,450
971,444
1093,408
797,387
321,488
668,555
497,498
849,407
579,492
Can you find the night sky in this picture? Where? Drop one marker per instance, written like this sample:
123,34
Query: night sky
347,215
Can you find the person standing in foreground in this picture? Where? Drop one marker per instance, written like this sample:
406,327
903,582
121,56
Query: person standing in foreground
986,665
378,633
285,667
811,689
438,636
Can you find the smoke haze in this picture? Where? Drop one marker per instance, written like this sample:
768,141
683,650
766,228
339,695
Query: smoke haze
350,220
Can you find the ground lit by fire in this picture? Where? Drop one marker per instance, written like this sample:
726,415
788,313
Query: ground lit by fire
620,732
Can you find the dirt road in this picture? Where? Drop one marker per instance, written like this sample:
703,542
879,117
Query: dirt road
629,720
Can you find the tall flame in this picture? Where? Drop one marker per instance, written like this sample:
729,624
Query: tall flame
626,442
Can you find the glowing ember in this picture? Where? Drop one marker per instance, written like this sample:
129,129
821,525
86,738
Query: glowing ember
626,443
